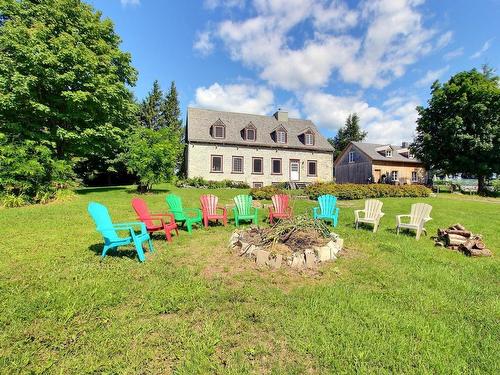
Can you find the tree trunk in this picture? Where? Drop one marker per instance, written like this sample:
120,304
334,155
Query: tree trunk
481,185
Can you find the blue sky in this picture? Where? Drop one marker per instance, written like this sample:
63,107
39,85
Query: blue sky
317,59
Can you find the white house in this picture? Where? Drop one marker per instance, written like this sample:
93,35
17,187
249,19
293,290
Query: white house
259,150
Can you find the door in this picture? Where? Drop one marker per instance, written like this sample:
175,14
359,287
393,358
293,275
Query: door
294,170
377,175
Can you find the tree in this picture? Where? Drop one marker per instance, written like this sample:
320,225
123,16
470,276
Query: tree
152,155
459,131
64,80
351,132
151,114
172,110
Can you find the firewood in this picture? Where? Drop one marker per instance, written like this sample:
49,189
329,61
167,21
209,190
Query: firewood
479,245
455,239
441,232
464,233
458,227
480,253
439,243
467,245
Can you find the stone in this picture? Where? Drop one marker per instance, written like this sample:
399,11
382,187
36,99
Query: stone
276,261
233,241
335,247
298,261
324,253
310,259
262,257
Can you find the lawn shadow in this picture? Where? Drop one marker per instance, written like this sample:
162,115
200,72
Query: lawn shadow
114,252
103,189
151,192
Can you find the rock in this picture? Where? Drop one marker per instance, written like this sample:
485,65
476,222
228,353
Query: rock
298,261
276,262
324,253
310,259
233,241
335,247
340,243
262,257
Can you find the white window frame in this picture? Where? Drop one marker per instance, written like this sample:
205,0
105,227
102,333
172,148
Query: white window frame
351,156
414,173
281,136
396,174
309,139
388,153
233,170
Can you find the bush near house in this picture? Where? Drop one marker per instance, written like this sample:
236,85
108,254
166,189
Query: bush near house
359,191
266,192
200,182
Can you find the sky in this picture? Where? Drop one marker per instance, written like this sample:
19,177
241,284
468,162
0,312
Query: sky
319,60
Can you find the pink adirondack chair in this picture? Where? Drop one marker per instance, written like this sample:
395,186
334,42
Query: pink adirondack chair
155,222
281,208
210,209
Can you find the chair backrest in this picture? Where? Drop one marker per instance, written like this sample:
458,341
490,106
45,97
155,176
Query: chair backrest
280,203
327,203
102,220
209,203
174,202
141,209
243,203
419,212
373,208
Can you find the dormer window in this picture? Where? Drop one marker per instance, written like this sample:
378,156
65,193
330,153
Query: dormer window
218,130
250,133
411,156
281,136
388,153
309,139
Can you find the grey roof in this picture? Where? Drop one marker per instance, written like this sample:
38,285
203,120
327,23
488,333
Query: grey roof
200,120
370,150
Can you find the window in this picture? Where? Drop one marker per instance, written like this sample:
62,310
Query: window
309,139
394,175
237,164
257,166
280,136
388,153
276,166
216,163
411,156
351,157
257,184
219,131
414,177
250,134
312,170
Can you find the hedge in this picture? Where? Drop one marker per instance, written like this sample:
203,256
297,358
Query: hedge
359,191
200,182
265,192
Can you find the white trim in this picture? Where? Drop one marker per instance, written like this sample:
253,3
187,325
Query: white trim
351,157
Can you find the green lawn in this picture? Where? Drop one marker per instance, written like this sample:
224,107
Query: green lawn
391,305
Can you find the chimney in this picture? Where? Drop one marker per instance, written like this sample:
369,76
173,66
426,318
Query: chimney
405,144
281,116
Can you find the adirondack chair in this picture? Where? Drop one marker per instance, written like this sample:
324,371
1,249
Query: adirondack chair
327,209
155,222
281,207
210,208
105,226
244,209
188,216
419,215
371,214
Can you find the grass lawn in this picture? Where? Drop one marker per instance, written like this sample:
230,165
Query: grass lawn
391,305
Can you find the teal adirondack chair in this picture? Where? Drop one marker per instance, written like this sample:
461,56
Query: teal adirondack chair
327,209
244,210
189,216
105,226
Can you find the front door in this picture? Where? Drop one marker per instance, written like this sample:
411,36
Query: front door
294,170
377,176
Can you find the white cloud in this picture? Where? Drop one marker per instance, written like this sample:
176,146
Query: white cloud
486,46
453,54
444,39
130,2
431,76
246,98
393,123
212,4
393,37
203,43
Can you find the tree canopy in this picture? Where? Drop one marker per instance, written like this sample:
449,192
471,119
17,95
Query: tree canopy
459,130
351,132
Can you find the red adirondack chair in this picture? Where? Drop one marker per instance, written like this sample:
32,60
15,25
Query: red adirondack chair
281,208
155,222
210,208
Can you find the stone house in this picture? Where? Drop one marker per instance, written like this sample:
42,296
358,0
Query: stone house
360,161
259,150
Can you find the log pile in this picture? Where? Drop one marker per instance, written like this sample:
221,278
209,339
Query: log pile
458,238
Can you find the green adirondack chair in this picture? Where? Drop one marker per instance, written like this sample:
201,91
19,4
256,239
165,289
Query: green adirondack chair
188,216
244,210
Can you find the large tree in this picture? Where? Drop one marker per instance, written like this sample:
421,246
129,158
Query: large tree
351,132
64,80
459,130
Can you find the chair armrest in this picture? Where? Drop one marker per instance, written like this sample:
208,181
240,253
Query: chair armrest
169,215
356,213
130,226
398,218
315,210
427,219
223,209
381,214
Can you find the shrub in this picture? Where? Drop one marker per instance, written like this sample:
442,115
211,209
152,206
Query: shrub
265,192
200,182
359,191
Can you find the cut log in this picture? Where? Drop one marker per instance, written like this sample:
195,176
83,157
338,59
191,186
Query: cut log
463,233
439,243
480,253
467,245
441,232
455,239
479,244
457,226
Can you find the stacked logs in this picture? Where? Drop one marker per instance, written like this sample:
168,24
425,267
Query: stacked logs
458,238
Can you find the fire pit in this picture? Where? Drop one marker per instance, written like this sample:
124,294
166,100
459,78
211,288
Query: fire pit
299,243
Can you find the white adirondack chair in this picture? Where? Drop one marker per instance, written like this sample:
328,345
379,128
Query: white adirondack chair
371,214
419,215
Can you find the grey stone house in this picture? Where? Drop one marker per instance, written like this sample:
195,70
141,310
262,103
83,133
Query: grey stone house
259,150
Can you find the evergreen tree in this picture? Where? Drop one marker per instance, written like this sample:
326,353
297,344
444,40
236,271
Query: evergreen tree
351,132
171,109
151,114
